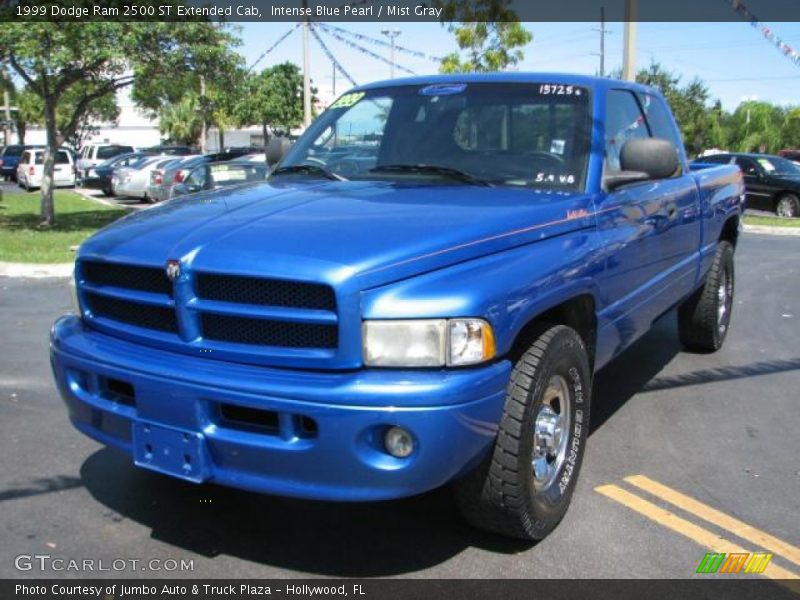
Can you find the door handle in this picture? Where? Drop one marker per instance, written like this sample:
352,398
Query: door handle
672,211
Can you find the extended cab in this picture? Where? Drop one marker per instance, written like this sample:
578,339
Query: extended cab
420,294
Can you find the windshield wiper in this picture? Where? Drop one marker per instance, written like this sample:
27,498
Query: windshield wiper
447,172
309,169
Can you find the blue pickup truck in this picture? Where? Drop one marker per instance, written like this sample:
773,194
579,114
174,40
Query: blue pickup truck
420,294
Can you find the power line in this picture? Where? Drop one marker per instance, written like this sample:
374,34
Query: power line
363,50
365,38
331,57
275,45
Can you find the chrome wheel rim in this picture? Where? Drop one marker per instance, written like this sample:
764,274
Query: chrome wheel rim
550,433
786,208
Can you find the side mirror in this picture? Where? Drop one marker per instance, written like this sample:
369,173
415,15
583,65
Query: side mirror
277,148
643,159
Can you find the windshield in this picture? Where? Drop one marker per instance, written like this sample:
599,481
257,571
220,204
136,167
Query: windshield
516,134
779,166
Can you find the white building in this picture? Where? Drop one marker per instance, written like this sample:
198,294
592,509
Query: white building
132,129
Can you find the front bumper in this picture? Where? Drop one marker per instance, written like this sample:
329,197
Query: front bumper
453,416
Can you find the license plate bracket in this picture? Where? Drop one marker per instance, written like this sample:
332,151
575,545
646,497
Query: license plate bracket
171,451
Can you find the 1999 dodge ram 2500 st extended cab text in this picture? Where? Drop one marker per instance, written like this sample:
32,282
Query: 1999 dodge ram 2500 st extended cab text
419,294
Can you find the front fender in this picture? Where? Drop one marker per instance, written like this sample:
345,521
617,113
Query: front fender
508,288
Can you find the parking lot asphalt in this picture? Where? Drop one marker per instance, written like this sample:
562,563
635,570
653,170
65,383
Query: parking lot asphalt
688,454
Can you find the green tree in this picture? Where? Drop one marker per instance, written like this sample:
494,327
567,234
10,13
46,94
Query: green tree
97,58
273,99
182,122
488,34
791,128
756,127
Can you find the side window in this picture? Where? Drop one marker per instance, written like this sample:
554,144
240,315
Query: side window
747,166
659,119
624,121
62,158
197,178
25,158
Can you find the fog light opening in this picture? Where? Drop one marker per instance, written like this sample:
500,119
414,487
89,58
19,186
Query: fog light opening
398,442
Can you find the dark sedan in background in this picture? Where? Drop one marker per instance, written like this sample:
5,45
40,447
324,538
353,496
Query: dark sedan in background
771,182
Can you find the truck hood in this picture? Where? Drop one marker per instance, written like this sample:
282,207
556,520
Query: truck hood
367,232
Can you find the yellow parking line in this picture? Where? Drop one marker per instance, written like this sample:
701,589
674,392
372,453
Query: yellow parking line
720,519
704,537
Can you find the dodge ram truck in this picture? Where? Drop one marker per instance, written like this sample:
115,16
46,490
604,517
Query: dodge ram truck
418,295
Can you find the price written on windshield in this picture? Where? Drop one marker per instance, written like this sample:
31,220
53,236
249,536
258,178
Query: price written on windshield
558,89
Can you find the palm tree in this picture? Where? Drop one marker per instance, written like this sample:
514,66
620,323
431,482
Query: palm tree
182,122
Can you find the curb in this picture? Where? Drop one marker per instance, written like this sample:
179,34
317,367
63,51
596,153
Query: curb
36,271
767,230
83,193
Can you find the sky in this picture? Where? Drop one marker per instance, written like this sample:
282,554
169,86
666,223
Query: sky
734,59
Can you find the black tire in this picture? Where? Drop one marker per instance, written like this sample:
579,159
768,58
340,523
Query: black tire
702,325
502,494
788,205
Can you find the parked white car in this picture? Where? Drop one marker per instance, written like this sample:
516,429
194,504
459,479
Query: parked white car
92,155
133,180
30,169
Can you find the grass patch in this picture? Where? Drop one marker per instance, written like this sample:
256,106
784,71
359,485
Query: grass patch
76,219
771,221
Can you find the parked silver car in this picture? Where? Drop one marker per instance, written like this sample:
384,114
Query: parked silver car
162,179
133,180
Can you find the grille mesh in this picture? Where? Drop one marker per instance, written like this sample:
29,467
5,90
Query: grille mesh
263,332
270,292
145,279
133,313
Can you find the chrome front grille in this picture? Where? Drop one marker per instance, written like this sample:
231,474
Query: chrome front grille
211,311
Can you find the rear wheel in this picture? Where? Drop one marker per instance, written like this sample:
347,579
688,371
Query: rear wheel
524,486
788,205
704,319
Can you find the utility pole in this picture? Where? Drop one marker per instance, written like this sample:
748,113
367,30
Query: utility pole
6,108
204,134
391,33
306,73
7,126
603,32
629,53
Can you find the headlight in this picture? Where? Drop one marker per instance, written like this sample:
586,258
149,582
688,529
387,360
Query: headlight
427,343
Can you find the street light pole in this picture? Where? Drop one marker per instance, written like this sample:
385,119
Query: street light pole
306,73
629,54
391,34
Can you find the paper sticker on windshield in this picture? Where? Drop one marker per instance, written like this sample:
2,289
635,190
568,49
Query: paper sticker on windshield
557,146
443,89
768,166
348,100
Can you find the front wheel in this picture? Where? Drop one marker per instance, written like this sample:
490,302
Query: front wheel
788,205
705,317
524,486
